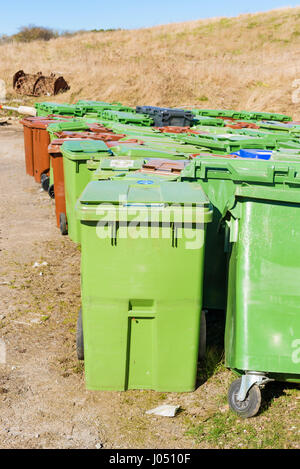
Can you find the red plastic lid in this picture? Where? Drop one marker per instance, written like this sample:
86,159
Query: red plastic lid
97,127
173,129
104,136
163,166
114,143
243,125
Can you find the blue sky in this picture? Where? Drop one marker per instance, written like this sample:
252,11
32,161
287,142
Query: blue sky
95,14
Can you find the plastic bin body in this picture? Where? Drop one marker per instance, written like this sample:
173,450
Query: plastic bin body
141,310
219,191
41,141
77,175
263,320
28,145
59,181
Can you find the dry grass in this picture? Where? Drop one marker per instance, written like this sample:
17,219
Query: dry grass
247,62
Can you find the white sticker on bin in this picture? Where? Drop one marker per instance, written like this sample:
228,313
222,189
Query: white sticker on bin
122,164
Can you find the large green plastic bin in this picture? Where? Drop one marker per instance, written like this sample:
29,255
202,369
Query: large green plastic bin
260,202
142,283
262,339
77,175
209,172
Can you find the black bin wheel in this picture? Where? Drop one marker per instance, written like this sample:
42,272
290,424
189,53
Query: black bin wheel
250,406
79,337
63,224
51,191
45,182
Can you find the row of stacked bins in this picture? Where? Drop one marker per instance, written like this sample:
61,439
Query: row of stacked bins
223,169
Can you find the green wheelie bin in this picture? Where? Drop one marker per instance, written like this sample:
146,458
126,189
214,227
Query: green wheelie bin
262,337
77,175
259,202
141,310
208,171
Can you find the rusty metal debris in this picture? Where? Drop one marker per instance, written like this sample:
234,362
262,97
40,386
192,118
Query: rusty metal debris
39,84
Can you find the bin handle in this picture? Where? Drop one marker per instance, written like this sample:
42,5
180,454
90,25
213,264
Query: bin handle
113,233
174,229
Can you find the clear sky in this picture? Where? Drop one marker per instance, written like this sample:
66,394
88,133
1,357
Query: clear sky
96,14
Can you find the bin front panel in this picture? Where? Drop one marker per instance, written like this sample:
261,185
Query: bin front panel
41,141
141,274
76,177
141,303
28,147
263,315
59,185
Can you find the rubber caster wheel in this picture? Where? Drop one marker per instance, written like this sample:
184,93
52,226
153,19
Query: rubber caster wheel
45,182
250,406
63,224
202,340
51,191
79,337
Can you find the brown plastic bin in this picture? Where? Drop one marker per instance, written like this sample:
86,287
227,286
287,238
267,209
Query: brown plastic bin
28,145
54,150
41,141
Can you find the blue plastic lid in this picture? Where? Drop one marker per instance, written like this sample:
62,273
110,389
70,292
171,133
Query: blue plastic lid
258,154
143,181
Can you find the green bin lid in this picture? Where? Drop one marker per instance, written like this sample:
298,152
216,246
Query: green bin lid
145,190
140,195
286,154
139,151
139,176
244,170
84,149
259,179
110,167
69,125
116,164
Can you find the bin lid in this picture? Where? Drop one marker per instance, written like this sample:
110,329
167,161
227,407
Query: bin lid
142,177
68,125
286,155
144,193
259,154
145,152
146,190
242,170
84,149
165,165
117,164
40,122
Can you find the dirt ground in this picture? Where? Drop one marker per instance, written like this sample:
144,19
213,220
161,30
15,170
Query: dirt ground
43,400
